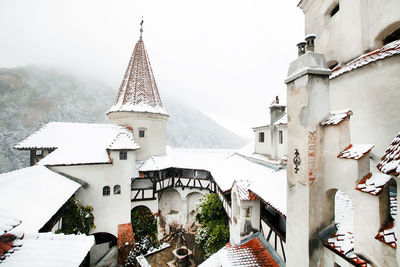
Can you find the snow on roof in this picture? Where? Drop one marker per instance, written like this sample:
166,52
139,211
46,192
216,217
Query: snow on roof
268,184
243,190
34,195
123,141
390,162
138,91
386,51
356,151
343,240
226,166
77,143
282,120
255,252
387,234
373,183
8,221
47,249
335,117
200,159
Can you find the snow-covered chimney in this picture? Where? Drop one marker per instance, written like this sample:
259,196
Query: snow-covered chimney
301,48
310,42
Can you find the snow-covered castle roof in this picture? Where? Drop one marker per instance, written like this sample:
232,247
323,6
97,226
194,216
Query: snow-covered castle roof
138,91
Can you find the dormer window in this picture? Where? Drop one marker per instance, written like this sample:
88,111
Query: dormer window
142,133
106,190
117,189
123,155
261,137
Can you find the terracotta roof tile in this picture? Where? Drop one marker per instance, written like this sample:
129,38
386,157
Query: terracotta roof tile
373,183
343,244
386,51
125,235
251,253
387,234
138,91
356,151
336,117
390,162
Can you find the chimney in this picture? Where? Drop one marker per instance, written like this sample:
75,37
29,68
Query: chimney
276,110
310,42
301,48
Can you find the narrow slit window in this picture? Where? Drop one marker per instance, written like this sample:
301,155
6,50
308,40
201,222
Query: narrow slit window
335,10
280,137
261,137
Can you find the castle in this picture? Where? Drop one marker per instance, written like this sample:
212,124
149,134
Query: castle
308,194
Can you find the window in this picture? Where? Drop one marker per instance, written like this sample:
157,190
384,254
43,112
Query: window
39,152
280,137
261,137
123,155
117,189
392,37
106,190
141,132
335,10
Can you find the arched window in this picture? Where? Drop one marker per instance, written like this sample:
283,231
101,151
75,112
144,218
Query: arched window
117,189
106,190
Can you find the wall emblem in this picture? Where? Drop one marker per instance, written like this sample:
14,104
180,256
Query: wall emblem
296,160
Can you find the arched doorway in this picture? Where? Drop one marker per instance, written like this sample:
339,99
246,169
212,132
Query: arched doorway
144,224
192,200
170,206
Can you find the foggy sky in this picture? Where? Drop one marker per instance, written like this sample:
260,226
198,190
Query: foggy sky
226,58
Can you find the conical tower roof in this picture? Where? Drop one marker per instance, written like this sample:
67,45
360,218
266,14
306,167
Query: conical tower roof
138,91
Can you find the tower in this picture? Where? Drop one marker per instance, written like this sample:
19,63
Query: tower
138,105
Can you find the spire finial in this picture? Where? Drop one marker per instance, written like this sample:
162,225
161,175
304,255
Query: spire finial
141,28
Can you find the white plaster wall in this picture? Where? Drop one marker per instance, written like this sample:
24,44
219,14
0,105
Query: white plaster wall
353,30
109,211
265,147
151,204
281,149
372,93
155,125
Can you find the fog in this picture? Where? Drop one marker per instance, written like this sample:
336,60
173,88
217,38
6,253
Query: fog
227,59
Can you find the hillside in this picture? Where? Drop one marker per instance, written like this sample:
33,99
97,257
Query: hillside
32,96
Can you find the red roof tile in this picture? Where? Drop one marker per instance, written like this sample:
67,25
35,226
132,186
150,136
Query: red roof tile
388,50
125,235
387,234
390,162
356,151
373,183
138,90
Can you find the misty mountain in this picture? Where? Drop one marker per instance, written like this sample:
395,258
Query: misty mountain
32,96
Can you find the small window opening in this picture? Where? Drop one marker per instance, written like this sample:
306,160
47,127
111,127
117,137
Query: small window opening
332,64
392,37
117,189
335,10
280,137
261,137
248,212
106,190
123,155
141,133
39,152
